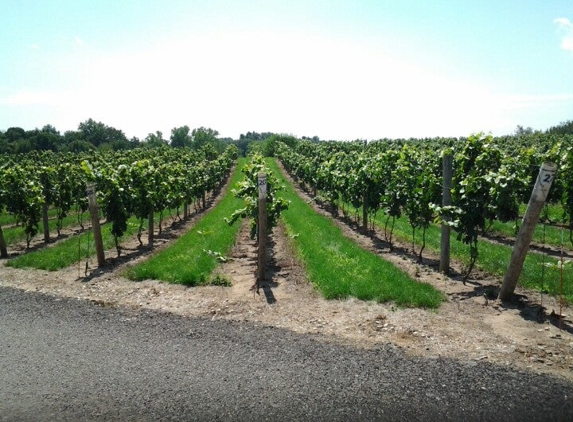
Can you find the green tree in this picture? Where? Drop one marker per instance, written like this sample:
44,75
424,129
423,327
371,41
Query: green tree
180,137
73,142
45,140
15,134
97,133
563,128
155,140
202,136
270,144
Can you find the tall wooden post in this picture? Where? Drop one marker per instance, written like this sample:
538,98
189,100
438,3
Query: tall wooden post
3,250
46,223
262,227
446,201
150,229
94,213
538,197
365,211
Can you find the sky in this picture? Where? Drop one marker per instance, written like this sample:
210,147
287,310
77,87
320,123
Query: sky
336,69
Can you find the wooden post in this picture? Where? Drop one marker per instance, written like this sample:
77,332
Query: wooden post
365,211
150,229
446,201
3,250
262,227
538,196
186,209
94,213
46,223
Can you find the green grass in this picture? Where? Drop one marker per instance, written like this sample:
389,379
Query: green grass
339,267
539,272
7,219
17,234
192,258
551,237
71,250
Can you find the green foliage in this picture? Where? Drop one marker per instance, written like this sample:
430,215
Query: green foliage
492,178
563,128
203,136
69,251
22,196
248,190
340,268
155,140
129,183
494,258
566,176
269,145
472,189
191,258
180,137
220,280
99,134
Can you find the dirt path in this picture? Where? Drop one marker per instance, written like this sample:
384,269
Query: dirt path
468,326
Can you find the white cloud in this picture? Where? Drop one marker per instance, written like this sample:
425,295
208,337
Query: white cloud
276,82
265,81
79,41
566,27
563,22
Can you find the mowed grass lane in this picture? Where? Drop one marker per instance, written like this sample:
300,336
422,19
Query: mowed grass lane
339,267
191,259
540,272
71,250
75,248
16,234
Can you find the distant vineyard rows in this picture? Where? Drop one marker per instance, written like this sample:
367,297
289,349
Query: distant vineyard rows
491,178
129,183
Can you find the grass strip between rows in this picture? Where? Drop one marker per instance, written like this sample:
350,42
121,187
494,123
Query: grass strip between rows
71,250
552,236
539,272
191,259
339,267
74,248
17,234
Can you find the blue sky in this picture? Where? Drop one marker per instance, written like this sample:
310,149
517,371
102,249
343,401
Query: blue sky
336,69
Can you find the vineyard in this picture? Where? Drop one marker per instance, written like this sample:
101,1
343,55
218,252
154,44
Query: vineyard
359,221
133,184
391,183
395,185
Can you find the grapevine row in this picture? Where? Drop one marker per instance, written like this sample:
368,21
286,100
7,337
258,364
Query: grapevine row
129,183
404,178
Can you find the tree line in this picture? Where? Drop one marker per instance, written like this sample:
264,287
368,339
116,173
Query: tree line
93,135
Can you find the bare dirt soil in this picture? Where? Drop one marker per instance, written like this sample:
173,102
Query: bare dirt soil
469,326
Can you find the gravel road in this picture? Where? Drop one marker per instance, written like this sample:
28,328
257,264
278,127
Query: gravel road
65,359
